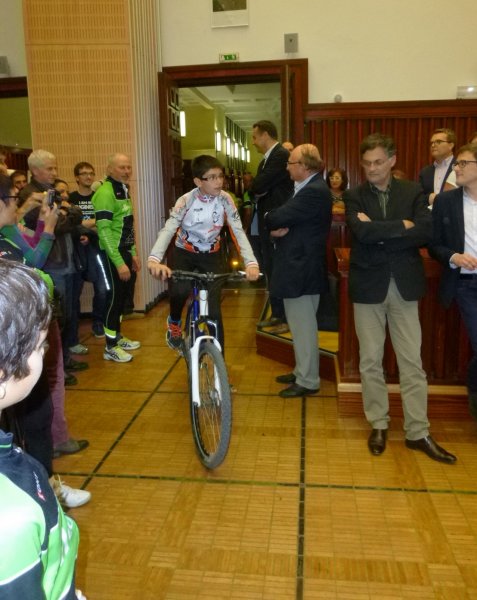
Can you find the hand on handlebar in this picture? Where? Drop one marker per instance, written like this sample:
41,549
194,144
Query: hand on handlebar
158,270
252,272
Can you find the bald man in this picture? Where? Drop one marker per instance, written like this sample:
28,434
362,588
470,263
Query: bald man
115,224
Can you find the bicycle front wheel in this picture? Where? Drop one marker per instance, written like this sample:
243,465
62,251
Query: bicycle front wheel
212,420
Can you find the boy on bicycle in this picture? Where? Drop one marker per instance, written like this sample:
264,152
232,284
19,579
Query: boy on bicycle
196,220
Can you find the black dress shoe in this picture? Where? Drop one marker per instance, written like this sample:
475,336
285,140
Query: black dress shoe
433,450
270,322
295,391
70,379
377,441
75,365
288,378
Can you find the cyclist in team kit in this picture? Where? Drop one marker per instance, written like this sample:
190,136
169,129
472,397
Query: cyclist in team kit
196,220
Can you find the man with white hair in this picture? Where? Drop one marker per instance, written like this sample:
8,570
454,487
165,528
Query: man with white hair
300,228
42,165
115,224
61,263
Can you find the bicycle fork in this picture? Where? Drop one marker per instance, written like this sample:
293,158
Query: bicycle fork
194,366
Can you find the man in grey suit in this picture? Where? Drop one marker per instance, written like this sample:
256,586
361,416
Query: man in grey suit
454,245
300,228
389,221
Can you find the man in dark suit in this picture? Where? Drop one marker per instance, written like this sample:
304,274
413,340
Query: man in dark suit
300,229
271,187
439,176
389,221
454,245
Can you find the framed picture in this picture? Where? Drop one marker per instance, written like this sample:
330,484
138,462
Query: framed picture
229,13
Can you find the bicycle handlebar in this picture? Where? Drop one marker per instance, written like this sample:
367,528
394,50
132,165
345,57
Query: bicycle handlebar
207,277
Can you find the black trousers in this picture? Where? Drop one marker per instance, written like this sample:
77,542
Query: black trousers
116,297
179,291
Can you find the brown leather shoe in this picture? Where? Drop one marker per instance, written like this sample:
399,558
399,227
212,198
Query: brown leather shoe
377,441
432,449
279,329
269,322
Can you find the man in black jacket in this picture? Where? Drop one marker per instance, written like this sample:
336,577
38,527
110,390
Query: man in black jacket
389,221
300,229
271,187
455,246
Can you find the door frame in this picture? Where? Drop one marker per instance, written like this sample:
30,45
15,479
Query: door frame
291,74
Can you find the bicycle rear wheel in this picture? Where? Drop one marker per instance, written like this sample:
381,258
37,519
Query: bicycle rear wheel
212,420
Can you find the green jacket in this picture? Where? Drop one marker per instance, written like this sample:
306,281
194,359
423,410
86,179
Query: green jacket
114,220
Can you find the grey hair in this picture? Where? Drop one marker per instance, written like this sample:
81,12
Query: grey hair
38,158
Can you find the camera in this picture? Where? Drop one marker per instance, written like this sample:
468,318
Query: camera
52,196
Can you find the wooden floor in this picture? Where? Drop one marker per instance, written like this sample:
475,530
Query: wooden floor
299,510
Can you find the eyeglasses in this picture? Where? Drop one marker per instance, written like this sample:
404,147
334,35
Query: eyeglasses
367,164
289,162
439,142
462,163
212,178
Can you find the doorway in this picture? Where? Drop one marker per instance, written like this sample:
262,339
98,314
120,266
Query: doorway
292,75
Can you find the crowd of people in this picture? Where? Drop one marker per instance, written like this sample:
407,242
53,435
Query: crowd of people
52,240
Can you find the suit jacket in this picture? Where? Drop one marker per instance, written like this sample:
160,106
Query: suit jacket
426,178
448,238
384,247
299,262
272,185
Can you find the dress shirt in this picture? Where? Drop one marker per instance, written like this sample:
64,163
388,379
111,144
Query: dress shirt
470,228
301,184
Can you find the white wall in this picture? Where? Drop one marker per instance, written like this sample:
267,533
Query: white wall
12,41
365,50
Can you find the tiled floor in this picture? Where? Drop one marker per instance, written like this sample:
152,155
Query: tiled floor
298,510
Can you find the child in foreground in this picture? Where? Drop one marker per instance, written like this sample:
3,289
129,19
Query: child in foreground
38,542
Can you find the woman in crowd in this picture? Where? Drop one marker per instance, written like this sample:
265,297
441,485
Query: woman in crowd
337,181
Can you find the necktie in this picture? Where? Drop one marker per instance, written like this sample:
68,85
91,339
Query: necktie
383,200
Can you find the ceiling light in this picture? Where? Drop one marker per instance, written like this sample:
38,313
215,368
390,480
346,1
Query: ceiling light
182,123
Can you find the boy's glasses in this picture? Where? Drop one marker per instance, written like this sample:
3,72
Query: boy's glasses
462,163
212,178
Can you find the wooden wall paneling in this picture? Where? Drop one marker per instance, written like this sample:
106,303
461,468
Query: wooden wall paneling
93,91
337,130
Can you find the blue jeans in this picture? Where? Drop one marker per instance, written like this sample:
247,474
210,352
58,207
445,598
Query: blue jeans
68,286
466,297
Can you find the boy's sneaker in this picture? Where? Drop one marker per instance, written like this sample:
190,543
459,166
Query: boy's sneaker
127,344
67,496
117,354
79,349
174,334
98,330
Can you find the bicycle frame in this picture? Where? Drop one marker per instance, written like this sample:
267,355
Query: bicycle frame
199,313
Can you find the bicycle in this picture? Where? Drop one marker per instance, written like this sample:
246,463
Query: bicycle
209,388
